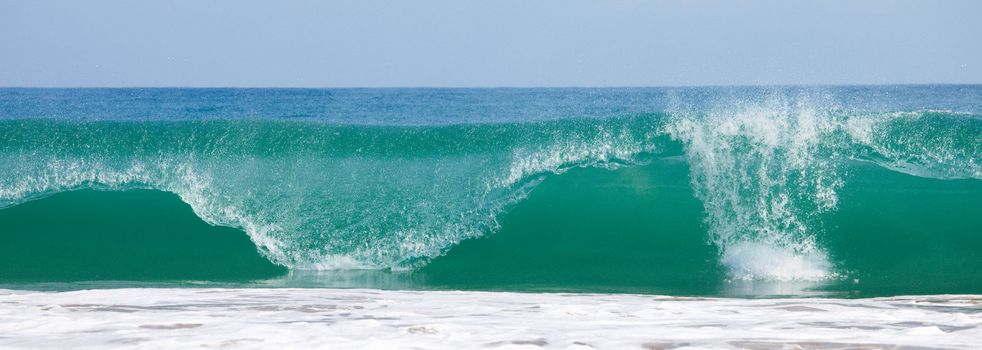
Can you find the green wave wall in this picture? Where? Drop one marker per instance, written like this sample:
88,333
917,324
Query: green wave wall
674,201
129,235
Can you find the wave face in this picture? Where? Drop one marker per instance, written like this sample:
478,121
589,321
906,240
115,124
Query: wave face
137,235
317,196
393,179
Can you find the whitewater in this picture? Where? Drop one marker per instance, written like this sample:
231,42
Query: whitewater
352,318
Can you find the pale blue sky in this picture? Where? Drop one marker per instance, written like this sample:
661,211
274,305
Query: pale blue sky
487,43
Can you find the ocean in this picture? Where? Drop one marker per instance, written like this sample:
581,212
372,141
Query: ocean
768,202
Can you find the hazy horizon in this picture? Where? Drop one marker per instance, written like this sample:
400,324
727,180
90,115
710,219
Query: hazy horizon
422,87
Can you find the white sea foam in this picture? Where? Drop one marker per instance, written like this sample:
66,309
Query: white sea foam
766,170
755,261
373,319
762,172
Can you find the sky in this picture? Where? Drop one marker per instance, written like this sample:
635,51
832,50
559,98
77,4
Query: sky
509,43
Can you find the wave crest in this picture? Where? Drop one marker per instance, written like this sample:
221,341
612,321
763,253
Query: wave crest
321,196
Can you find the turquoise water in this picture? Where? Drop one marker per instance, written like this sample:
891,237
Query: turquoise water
847,191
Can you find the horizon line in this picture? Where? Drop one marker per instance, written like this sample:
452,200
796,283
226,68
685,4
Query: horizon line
516,87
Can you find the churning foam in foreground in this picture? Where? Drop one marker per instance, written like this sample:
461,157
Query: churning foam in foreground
373,319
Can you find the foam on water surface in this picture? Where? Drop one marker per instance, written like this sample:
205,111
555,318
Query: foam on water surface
748,261
361,318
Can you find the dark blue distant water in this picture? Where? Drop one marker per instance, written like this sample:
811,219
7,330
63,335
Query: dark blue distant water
449,106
